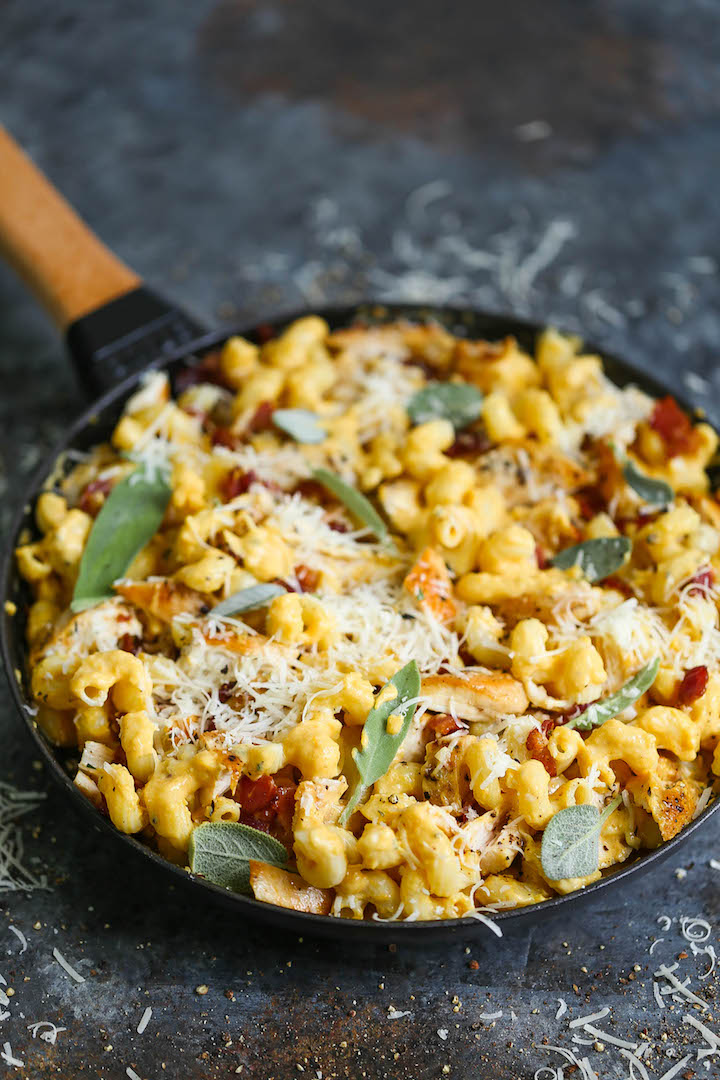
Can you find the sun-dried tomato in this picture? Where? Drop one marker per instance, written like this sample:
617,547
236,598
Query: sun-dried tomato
313,489
537,747
644,516
207,371
130,643
548,725
259,821
595,497
261,419
701,583
470,443
573,712
619,585
230,693
283,805
673,426
339,526
284,584
237,482
541,558
93,495
307,578
591,501
224,436
692,685
225,692
274,807
429,371
443,724
264,332
254,795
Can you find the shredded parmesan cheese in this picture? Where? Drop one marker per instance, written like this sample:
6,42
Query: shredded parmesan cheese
45,1030
480,917
675,1069
712,1039
144,1020
21,938
635,1062
276,683
581,1021
610,1038
68,967
7,1056
665,972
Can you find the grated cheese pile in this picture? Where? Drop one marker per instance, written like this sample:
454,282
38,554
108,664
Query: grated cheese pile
277,684
15,875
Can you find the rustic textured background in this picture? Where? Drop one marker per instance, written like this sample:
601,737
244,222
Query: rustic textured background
558,160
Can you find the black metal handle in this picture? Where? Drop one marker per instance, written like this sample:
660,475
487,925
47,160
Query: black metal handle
125,336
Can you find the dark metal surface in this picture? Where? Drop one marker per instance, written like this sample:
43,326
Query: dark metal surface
254,156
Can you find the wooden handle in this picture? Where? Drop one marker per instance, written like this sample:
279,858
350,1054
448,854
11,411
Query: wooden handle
70,271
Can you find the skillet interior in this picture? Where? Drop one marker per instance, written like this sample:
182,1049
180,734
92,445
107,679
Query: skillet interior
95,425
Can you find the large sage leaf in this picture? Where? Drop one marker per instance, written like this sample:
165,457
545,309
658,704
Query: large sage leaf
255,596
130,516
596,558
655,492
300,424
600,711
221,851
378,746
571,841
357,504
458,402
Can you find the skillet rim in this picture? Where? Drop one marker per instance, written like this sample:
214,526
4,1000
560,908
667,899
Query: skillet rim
354,931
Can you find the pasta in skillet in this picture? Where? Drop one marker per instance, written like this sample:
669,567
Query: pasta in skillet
539,544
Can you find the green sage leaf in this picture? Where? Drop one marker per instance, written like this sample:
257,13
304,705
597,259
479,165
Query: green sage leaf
378,746
571,841
655,492
221,851
300,424
130,516
357,504
596,558
458,402
255,596
600,711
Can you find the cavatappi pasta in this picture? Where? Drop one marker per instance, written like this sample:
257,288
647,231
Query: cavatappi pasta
182,717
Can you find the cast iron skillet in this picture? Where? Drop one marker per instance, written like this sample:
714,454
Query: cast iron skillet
93,426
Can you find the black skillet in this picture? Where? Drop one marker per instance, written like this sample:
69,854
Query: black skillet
121,331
